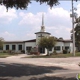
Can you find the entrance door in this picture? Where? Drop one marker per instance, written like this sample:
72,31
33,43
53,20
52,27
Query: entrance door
41,50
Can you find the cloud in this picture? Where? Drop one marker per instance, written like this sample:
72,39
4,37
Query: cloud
30,19
8,36
6,17
78,10
57,21
58,17
29,36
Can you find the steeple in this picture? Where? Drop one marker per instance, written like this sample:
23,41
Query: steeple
43,19
42,27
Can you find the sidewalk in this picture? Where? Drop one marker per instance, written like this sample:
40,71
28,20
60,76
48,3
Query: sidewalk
18,56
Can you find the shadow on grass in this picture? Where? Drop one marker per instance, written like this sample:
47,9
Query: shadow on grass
52,78
17,70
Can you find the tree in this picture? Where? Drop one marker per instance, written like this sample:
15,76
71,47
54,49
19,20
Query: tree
77,36
61,38
47,42
1,42
22,4
77,33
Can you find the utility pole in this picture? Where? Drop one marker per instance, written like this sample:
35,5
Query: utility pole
73,15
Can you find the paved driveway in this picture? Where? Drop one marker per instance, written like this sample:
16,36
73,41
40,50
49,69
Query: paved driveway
19,68
62,62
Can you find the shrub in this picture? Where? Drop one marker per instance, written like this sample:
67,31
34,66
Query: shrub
35,53
65,51
10,51
22,51
4,51
55,52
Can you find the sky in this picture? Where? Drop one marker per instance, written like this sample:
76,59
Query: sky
21,25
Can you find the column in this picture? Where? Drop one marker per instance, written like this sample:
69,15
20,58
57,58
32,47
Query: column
10,46
4,47
16,47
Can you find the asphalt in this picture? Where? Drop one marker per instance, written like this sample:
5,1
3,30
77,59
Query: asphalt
15,71
19,68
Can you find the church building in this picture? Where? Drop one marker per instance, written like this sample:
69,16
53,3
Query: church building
17,46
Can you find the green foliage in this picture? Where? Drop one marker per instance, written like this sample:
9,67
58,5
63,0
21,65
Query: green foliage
4,51
28,51
65,51
55,52
4,55
49,2
23,4
1,42
22,51
77,36
34,49
47,42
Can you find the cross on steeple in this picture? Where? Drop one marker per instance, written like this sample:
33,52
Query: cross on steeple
41,36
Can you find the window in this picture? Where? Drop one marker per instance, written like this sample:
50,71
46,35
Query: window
20,47
7,47
28,48
50,49
57,48
13,47
41,50
1,48
66,47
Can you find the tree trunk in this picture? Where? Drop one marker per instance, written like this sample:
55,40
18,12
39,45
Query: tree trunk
48,52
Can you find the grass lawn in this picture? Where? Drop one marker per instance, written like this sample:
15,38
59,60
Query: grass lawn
4,55
56,56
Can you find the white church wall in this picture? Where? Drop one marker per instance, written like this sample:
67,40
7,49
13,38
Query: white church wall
71,45
52,50
23,46
29,44
61,44
67,44
4,47
16,47
38,36
45,51
16,44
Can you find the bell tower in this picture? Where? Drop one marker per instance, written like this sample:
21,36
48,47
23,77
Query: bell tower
42,33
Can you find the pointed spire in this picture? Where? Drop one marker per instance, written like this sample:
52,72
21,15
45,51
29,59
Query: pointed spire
42,27
43,19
